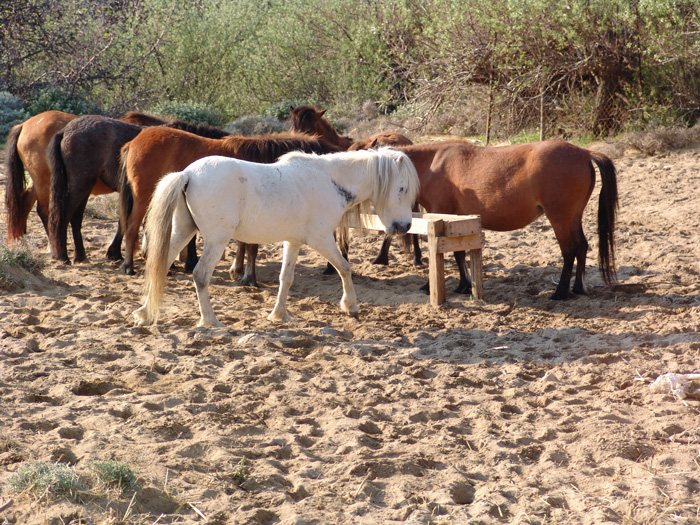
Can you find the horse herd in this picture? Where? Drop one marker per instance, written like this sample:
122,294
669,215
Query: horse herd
295,187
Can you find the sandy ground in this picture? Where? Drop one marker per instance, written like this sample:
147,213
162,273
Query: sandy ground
514,409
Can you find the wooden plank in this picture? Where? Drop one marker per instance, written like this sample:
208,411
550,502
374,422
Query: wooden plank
458,244
436,271
476,267
463,226
455,225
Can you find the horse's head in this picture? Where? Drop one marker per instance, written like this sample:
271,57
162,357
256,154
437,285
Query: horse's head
397,191
305,119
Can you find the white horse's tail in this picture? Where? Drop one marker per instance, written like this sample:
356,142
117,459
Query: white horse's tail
158,229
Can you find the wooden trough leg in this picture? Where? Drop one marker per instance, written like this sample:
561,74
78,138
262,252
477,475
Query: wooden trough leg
475,263
436,273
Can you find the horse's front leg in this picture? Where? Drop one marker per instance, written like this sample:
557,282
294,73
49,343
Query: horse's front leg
289,260
329,250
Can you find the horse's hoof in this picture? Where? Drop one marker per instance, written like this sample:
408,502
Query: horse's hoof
114,256
330,270
66,261
559,296
381,260
425,288
464,290
140,317
279,318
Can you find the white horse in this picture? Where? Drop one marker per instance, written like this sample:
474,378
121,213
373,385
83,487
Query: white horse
300,199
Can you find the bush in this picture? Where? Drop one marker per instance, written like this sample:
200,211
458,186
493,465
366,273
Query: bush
114,474
12,258
251,125
12,112
194,112
45,480
58,99
282,110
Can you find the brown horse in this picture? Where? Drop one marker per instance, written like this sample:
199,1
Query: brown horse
307,119
84,160
158,151
26,148
511,186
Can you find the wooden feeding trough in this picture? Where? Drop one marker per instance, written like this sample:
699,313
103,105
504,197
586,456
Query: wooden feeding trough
446,234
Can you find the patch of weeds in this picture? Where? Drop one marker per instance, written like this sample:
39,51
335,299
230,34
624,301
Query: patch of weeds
7,444
241,472
115,474
13,258
45,480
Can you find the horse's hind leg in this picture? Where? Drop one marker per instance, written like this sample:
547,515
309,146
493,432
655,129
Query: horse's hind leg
114,251
236,269
211,254
289,259
570,246
465,283
191,259
76,223
248,278
579,285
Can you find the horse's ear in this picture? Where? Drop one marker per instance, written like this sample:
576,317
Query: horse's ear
321,113
292,109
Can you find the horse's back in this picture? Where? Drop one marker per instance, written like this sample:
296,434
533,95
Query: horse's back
509,186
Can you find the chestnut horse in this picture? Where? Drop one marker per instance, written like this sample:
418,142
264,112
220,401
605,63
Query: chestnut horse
26,148
84,160
158,151
307,119
511,186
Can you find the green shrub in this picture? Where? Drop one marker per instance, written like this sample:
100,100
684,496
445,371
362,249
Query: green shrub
282,110
251,125
45,480
115,474
17,258
56,98
195,112
12,112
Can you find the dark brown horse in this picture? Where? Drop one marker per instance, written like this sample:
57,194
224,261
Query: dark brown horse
26,147
158,151
307,119
511,186
84,160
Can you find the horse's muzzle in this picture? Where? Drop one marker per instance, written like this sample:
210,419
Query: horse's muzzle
399,228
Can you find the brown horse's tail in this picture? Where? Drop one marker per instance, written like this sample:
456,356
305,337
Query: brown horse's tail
14,186
126,194
59,189
607,210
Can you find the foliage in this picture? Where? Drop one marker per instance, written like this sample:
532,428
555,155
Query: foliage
17,258
59,99
45,480
582,66
283,110
115,474
12,112
196,112
251,125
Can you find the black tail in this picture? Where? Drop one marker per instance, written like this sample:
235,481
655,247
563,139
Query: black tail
14,186
126,195
58,221
607,211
